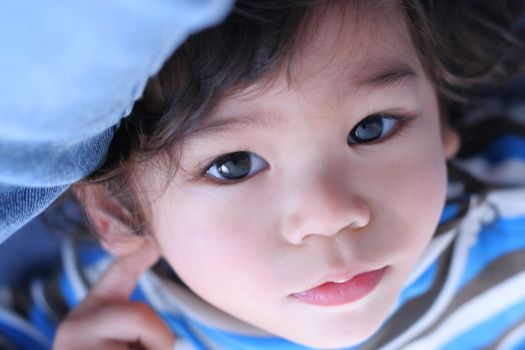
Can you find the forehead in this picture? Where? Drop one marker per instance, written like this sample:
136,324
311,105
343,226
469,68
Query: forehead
352,36
341,47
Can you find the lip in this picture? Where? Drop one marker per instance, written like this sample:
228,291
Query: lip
350,289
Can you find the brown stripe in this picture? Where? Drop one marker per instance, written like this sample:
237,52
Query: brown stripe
413,309
464,205
55,299
494,273
21,300
79,267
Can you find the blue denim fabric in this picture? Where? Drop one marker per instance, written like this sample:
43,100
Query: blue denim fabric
69,71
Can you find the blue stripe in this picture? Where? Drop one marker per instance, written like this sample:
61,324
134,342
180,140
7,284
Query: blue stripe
420,285
23,340
424,282
67,290
40,321
482,335
180,326
504,148
450,211
90,253
138,295
495,240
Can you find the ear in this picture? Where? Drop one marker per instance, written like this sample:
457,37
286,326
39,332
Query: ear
450,140
111,220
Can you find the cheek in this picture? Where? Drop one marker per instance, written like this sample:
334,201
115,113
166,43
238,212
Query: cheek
404,183
213,244
414,196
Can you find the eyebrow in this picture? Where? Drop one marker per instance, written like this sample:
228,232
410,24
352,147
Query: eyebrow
382,77
258,119
385,75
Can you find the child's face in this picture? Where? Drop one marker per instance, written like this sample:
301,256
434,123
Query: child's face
318,204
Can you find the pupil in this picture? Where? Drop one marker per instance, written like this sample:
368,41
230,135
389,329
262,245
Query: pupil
235,166
369,130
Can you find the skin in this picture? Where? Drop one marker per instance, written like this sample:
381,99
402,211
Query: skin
320,207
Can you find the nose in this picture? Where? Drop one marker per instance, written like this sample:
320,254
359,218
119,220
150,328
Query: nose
323,206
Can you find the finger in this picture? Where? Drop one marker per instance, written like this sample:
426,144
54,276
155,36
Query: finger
118,323
120,279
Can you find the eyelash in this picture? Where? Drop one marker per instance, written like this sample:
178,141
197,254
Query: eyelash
402,122
204,171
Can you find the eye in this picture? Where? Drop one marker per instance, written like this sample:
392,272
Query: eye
373,128
236,166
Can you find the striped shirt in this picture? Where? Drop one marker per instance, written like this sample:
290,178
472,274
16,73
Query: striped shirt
467,291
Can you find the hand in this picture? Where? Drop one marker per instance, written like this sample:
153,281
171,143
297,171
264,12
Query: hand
107,320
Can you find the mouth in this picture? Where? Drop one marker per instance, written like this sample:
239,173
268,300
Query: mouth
341,292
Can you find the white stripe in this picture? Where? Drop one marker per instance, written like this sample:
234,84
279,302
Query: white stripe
37,294
511,341
510,203
468,230
25,327
474,312
517,113
6,297
207,342
70,269
149,285
434,249
508,172
181,344
455,190
93,272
